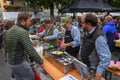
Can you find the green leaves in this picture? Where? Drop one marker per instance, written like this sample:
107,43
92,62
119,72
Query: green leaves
114,3
34,3
64,3
37,4
46,3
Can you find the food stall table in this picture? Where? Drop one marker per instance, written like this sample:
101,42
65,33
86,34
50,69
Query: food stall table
116,72
55,73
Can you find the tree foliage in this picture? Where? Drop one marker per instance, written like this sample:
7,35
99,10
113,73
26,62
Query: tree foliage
49,4
36,4
64,3
46,3
114,3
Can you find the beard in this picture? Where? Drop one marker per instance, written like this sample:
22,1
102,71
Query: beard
85,29
26,27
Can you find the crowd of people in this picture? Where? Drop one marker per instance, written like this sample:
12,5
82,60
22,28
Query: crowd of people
90,39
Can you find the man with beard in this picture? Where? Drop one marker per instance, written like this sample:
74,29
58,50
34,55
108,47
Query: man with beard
18,46
95,52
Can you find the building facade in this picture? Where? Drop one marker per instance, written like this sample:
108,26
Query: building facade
11,5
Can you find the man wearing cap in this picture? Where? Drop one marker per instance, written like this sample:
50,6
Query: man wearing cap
71,38
50,34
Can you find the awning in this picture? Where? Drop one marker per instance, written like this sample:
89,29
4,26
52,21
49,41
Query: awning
91,6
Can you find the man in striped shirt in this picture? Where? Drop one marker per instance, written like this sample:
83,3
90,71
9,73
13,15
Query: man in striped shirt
18,46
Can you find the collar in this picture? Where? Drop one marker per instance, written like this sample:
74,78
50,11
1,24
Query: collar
91,31
69,28
18,24
47,29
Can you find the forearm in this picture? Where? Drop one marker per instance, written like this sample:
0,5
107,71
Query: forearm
27,45
103,53
75,43
76,38
103,64
42,33
51,37
69,44
32,52
54,36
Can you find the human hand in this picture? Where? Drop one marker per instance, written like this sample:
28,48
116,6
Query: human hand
98,76
37,34
63,46
39,65
44,38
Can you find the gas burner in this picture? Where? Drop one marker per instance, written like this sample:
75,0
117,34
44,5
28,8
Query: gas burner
65,60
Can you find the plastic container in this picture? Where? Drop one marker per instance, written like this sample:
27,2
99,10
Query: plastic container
39,50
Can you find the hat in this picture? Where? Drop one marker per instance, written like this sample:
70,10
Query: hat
64,21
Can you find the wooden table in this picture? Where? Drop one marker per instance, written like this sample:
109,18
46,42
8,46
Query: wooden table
116,72
57,74
54,72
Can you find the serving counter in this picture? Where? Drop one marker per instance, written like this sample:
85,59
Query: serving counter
55,73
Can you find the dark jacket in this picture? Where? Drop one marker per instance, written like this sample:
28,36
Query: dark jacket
88,52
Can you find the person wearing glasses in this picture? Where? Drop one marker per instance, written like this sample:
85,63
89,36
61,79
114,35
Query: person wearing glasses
95,52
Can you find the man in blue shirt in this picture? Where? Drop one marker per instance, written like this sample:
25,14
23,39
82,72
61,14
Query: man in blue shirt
71,38
95,52
109,30
76,23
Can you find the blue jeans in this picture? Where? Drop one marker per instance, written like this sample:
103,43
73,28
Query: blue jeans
22,71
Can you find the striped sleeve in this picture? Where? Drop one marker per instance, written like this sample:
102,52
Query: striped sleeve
25,40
